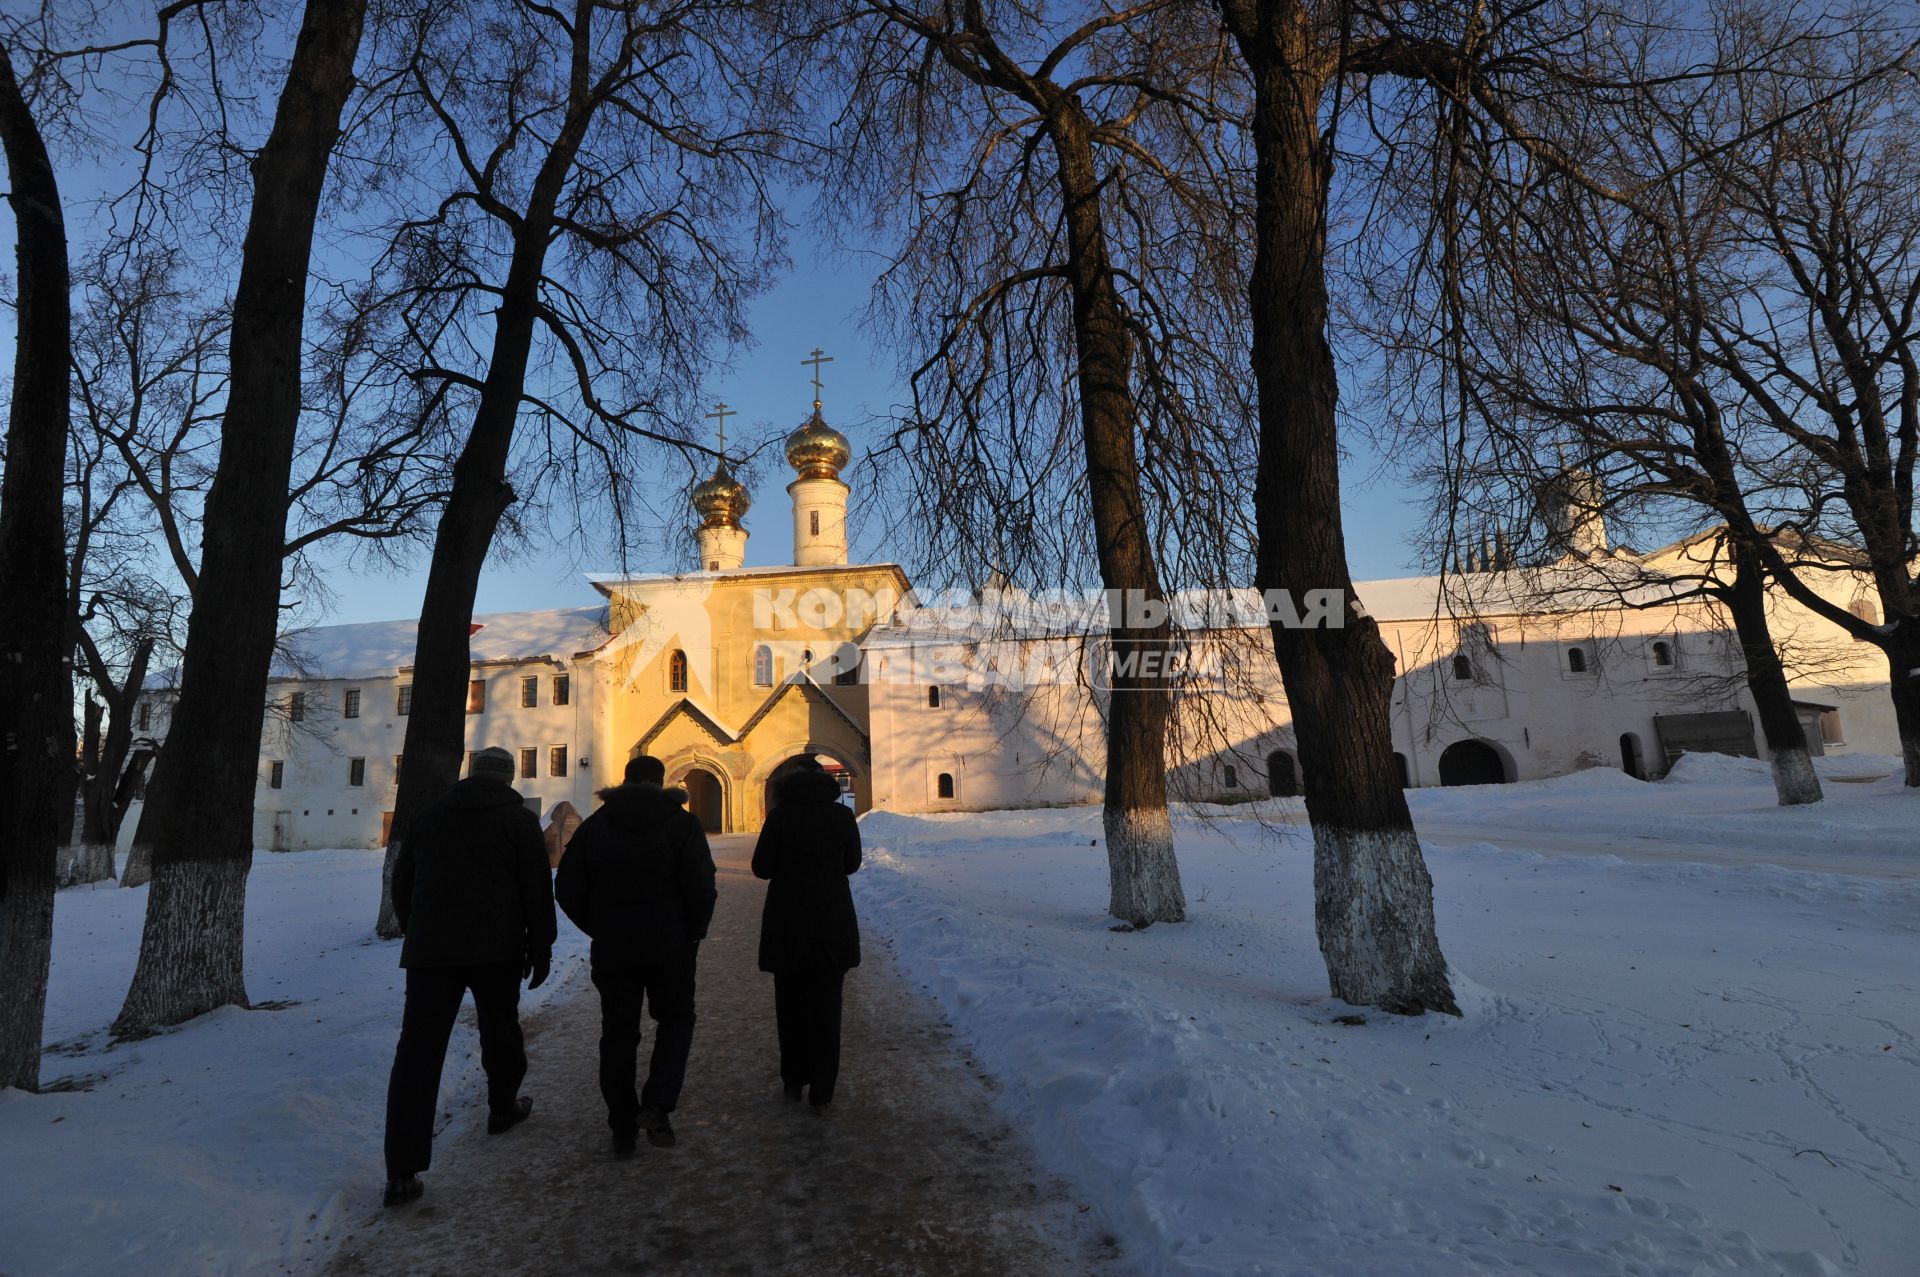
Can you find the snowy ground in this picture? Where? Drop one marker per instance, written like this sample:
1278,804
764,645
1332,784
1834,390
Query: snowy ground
1671,1067
1668,1067
232,1144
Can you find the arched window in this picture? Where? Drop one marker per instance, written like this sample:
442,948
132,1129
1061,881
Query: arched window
763,666
1231,776
943,785
677,671
933,697
813,522
1863,608
1462,667
1663,655
1576,660
1283,778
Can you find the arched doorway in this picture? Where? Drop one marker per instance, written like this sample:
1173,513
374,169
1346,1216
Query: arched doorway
705,799
1283,777
1400,766
1472,762
1630,756
840,772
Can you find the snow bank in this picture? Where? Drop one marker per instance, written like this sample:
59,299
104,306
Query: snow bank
1635,1090
1715,769
236,1143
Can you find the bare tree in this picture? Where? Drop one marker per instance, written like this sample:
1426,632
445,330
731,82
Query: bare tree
36,681
601,211
1064,286
199,811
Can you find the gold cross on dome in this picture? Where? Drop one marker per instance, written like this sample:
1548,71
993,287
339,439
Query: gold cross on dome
815,363
719,415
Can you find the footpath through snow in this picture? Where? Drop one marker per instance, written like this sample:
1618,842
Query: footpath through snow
1665,1068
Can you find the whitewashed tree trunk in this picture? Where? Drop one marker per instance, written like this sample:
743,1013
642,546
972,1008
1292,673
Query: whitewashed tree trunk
190,949
1142,869
84,863
1373,906
1794,781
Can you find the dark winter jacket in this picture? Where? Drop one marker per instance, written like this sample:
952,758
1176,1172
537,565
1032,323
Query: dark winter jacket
808,846
637,876
471,882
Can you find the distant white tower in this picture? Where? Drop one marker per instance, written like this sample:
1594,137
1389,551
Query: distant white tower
818,452
721,501
1576,526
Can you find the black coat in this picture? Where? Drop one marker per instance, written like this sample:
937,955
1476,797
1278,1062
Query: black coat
637,876
808,846
471,882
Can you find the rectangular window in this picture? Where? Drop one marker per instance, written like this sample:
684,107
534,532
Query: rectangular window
146,715
529,764
350,704
557,760
356,771
1830,730
276,774
529,693
396,767
562,688
297,707
813,522
476,696
469,770
403,700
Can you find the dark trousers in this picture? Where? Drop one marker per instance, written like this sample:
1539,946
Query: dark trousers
806,1008
666,987
413,1091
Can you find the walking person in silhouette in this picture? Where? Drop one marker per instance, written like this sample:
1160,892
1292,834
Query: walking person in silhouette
809,936
473,894
637,877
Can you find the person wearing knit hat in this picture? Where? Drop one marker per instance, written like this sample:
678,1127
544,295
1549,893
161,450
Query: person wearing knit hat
474,895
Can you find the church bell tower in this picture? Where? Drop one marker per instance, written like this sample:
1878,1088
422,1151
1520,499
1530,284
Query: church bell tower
721,501
819,453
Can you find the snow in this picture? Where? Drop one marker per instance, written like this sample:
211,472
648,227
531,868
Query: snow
1667,1065
236,1143
1691,1045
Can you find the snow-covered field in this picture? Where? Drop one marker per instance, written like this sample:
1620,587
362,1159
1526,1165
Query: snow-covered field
1666,1067
236,1143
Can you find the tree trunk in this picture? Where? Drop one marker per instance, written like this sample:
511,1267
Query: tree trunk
199,814
1794,781
138,871
36,678
1373,897
1903,675
436,736
103,808
1143,872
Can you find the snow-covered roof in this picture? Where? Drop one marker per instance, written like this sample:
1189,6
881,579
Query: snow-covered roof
375,648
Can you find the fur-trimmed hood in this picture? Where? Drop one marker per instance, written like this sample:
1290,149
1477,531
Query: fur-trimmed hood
637,805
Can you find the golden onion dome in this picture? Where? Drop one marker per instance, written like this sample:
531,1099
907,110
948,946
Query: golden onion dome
817,450
722,500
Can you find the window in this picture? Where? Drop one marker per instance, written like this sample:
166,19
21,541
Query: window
1462,667
1863,608
1231,775
562,688
297,707
943,785
146,715
1576,660
556,760
530,693
850,676
356,771
476,696
763,666
276,774
529,764
396,768
813,522
350,703
1663,655
469,770
677,671
1830,729
933,697
403,700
